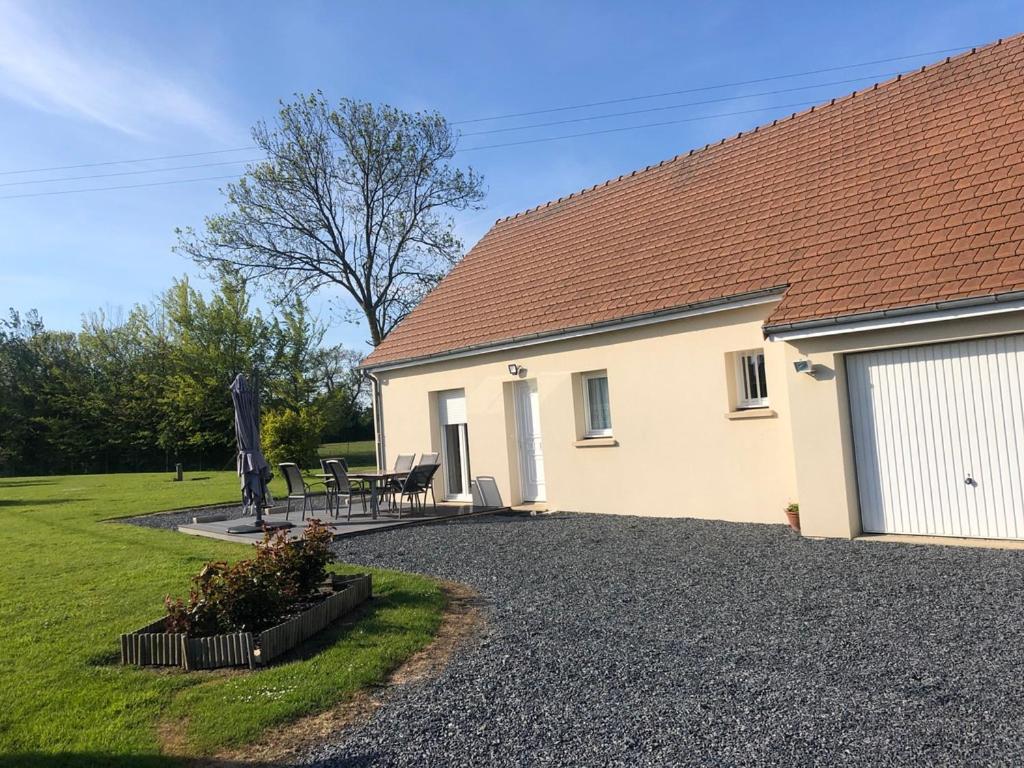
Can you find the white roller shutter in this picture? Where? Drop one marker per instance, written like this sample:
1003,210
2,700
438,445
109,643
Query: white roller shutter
451,406
939,438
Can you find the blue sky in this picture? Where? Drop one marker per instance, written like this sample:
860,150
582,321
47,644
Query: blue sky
98,81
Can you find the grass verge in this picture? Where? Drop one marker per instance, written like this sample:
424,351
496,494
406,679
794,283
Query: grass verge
359,453
70,584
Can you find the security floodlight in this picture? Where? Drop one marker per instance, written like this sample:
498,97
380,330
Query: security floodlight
513,368
803,366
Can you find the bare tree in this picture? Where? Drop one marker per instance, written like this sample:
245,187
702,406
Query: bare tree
357,196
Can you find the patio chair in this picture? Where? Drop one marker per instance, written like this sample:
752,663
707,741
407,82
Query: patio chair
403,463
323,464
436,465
415,486
429,458
324,469
343,487
298,488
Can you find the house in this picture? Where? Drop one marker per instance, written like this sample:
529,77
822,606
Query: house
828,309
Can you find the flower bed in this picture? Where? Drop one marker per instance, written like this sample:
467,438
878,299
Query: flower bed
152,645
249,612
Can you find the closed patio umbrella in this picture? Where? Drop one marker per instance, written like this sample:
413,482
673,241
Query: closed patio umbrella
253,469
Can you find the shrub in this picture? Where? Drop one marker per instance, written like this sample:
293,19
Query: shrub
300,566
289,435
253,594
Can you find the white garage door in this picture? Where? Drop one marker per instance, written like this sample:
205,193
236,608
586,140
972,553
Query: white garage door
939,438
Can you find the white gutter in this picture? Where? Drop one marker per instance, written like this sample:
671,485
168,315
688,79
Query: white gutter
663,316
378,421
895,318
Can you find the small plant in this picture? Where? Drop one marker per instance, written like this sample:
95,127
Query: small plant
253,594
793,516
300,566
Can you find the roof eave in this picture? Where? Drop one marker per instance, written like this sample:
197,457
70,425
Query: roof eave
932,312
735,301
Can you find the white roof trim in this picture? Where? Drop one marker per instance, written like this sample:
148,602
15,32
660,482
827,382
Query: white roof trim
989,306
664,316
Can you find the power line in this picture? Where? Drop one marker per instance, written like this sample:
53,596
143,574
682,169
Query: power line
468,149
123,186
124,162
126,173
479,133
521,114
642,125
708,87
680,106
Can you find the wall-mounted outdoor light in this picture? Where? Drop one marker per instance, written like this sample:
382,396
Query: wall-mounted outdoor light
804,366
513,368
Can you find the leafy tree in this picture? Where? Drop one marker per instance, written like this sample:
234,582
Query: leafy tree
345,400
19,372
298,357
289,435
147,389
353,196
208,344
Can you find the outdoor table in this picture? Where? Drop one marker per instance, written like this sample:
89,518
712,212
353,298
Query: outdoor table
376,480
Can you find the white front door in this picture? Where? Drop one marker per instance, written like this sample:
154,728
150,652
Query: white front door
939,438
454,444
531,452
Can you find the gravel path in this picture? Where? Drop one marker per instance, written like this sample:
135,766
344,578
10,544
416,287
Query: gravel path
627,641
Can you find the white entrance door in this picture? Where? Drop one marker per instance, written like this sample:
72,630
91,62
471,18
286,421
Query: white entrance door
451,407
939,438
531,453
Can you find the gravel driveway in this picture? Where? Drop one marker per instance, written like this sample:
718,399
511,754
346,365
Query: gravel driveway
628,641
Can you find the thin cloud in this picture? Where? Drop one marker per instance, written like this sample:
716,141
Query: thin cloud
41,69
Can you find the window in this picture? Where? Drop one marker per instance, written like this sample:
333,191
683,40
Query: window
595,404
752,391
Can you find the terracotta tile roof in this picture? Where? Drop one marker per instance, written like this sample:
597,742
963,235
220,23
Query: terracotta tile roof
908,193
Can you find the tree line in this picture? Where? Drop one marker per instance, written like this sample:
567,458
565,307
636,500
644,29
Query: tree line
149,389
351,198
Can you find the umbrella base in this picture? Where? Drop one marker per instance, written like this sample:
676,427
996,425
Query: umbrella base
253,528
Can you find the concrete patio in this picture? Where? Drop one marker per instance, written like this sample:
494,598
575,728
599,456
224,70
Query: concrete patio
216,526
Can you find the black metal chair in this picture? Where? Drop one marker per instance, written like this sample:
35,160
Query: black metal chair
344,487
298,488
430,480
324,469
425,459
403,463
416,485
323,464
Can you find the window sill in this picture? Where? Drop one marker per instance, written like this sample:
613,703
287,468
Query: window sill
596,442
751,413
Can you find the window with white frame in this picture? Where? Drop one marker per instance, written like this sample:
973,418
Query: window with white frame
752,383
596,410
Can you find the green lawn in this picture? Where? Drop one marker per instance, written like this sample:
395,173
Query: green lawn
70,584
359,453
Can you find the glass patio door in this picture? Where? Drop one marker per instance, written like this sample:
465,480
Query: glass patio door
451,411
456,462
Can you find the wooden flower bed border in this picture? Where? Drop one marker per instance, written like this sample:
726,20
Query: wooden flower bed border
151,646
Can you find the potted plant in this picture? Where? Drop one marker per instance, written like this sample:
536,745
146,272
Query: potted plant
793,516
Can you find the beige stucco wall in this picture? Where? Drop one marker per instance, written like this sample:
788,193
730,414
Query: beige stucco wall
670,388
822,440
